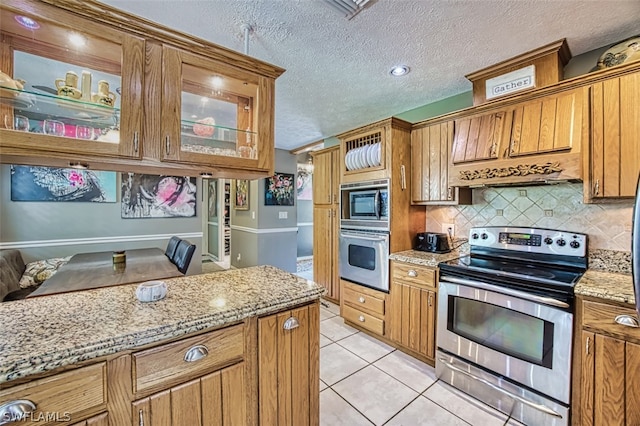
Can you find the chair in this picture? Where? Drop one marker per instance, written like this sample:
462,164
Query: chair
182,256
172,246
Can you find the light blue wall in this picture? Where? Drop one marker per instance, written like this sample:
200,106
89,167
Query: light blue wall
57,224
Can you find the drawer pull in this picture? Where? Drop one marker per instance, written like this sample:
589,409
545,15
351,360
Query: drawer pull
627,320
361,299
14,411
361,318
412,273
588,346
196,353
291,323
141,418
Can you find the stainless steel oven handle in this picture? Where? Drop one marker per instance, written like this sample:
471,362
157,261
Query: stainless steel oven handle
507,291
525,401
376,204
363,237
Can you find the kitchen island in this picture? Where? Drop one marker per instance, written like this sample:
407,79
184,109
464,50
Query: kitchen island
128,354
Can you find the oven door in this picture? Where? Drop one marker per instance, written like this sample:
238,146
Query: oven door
513,334
364,258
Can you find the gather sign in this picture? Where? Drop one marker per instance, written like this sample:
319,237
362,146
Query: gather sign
514,81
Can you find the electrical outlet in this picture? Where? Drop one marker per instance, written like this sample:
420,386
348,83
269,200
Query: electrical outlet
283,215
449,228
253,215
239,258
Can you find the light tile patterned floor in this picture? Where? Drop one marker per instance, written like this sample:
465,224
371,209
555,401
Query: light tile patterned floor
366,382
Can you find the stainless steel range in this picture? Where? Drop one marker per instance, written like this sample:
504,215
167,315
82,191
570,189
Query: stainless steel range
505,320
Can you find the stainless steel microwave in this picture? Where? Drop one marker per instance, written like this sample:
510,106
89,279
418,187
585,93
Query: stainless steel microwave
365,205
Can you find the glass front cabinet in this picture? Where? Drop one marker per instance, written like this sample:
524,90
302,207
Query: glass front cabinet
83,81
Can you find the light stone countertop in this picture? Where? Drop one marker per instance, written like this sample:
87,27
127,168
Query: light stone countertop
43,333
429,259
606,285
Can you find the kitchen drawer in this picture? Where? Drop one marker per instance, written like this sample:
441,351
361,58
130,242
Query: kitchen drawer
364,320
600,317
65,395
166,365
363,299
421,276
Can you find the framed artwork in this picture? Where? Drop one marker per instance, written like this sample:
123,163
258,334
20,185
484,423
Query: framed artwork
241,192
36,183
278,190
304,182
155,196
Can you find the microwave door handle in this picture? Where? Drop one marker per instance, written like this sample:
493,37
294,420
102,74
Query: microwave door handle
376,204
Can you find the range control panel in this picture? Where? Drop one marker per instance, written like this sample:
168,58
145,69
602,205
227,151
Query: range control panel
534,240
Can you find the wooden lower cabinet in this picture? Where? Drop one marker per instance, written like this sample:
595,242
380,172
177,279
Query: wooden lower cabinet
264,370
608,369
413,308
99,420
215,399
364,307
288,367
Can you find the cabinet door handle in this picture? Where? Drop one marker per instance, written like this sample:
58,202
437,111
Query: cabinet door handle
514,145
140,418
13,411
449,193
335,200
167,144
291,323
196,353
492,150
412,273
361,299
135,142
587,346
430,300
403,178
596,187
361,318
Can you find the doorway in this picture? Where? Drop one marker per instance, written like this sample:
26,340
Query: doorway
215,223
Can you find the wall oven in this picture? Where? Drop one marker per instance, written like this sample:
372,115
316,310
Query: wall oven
505,320
364,258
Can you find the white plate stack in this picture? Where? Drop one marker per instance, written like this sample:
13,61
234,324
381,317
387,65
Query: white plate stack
363,157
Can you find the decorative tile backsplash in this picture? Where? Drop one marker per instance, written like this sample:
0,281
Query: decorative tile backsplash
557,206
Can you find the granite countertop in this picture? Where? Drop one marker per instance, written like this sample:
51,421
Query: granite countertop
429,259
608,277
43,333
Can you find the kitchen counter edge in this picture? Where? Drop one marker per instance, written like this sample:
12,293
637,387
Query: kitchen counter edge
45,333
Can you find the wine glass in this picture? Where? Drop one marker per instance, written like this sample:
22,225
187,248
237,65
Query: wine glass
53,127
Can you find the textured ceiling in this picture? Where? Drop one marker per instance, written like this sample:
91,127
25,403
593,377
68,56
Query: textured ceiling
337,70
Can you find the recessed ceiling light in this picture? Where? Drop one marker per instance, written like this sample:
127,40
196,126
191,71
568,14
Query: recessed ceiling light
78,165
216,81
27,22
206,175
399,70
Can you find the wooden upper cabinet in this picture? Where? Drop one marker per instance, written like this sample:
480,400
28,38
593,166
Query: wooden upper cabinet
213,113
129,91
326,166
614,157
478,138
430,147
380,150
83,98
549,124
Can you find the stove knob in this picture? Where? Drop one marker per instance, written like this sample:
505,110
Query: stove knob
561,242
474,236
484,236
548,241
574,244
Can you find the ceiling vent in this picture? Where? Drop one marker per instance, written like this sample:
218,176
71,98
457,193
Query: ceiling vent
349,8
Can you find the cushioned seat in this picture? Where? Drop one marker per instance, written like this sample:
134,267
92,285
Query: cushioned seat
182,256
172,246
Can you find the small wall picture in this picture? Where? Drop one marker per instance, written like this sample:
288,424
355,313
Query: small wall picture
278,190
241,192
155,196
213,198
303,182
36,183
